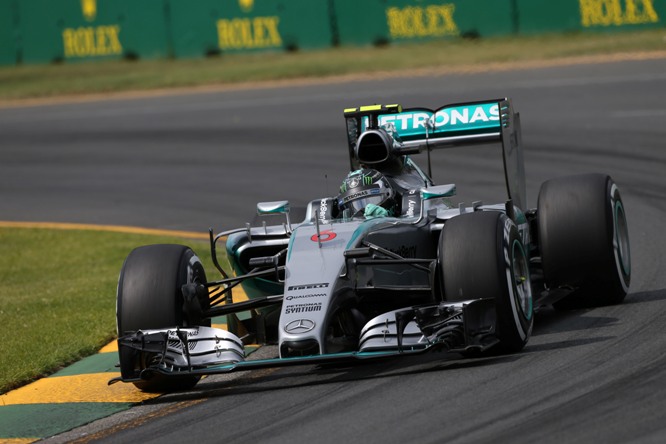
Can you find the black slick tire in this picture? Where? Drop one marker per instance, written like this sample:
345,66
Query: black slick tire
584,240
149,296
482,256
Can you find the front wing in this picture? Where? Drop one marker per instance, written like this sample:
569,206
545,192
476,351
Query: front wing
467,326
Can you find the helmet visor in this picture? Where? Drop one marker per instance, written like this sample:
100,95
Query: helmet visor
357,199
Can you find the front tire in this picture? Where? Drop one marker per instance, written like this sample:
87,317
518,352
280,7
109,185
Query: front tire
584,239
482,256
149,297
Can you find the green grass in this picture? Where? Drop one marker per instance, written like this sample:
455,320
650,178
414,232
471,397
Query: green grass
57,295
84,78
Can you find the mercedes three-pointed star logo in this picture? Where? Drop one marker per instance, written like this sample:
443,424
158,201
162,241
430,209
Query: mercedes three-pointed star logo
299,326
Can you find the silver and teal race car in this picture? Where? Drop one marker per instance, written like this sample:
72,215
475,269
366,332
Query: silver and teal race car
387,267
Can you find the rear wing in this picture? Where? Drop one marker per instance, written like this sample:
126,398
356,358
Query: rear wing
378,132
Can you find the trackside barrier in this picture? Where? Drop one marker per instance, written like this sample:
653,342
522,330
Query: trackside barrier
539,16
45,31
385,21
208,27
8,32
73,30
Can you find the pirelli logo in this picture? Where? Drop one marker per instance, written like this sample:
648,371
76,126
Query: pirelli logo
307,286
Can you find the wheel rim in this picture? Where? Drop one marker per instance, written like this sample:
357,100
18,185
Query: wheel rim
621,240
521,281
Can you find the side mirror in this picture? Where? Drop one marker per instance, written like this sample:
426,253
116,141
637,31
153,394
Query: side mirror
277,207
438,191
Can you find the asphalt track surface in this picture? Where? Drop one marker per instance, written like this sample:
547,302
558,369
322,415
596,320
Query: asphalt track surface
192,161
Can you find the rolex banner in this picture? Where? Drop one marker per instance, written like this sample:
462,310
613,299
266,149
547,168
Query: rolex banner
48,31
211,27
539,16
74,30
393,21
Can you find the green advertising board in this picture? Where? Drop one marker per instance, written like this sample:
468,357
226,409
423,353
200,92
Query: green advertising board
231,26
384,21
541,16
77,30
45,31
8,32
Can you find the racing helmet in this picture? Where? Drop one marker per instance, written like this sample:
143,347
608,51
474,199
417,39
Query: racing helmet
363,187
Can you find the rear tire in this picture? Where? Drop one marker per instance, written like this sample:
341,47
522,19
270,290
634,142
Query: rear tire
584,240
482,256
150,297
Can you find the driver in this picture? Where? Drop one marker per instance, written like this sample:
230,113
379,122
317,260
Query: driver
367,192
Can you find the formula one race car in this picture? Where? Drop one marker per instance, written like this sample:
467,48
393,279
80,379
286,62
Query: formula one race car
389,266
